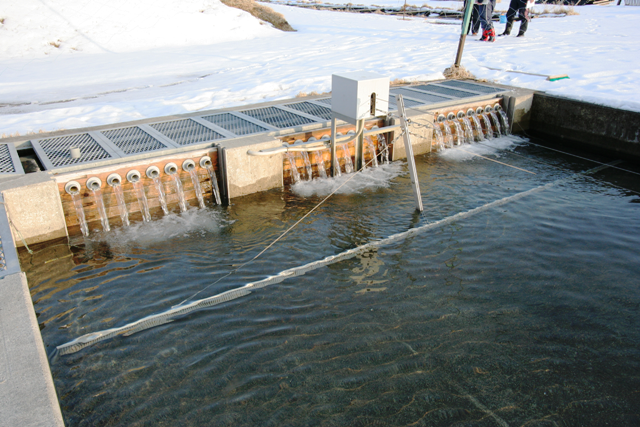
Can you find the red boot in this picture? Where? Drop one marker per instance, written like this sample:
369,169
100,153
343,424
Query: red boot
492,35
485,36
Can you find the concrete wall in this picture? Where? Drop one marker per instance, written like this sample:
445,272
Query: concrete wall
591,126
247,174
33,205
27,395
421,133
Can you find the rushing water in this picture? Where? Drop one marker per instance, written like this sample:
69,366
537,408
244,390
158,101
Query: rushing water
181,200
319,160
138,187
104,219
122,206
479,133
161,197
459,134
372,151
487,124
77,202
196,186
348,163
307,165
525,313
214,185
291,157
448,138
468,132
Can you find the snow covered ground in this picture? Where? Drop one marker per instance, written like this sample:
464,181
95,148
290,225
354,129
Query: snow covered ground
66,64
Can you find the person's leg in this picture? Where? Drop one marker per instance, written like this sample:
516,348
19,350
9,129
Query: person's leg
475,20
524,21
511,16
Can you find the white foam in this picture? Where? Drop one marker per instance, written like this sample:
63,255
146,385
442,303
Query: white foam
193,222
369,179
464,152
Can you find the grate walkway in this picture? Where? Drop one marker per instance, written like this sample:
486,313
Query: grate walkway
100,147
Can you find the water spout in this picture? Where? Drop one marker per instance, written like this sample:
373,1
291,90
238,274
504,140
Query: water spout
479,132
172,170
468,132
439,138
496,123
384,147
504,118
115,181
459,133
372,150
205,162
307,165
190,166
94,184
348,163
73,188
134,177
448,139
487,124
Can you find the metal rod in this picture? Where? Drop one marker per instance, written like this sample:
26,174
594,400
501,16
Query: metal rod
465,30
409,150
360,144
335,166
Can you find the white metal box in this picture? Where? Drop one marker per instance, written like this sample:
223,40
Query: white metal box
359,95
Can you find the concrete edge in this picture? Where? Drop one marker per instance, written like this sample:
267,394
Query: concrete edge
27,393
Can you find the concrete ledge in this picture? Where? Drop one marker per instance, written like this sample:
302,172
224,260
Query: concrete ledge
33,204
247,174
421,133
27,395
596,127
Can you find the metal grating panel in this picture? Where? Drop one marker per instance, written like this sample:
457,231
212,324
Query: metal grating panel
234,124
425,97
6,162
186,132
133,140
277,117
56,151
471,86
455,93
326,101
313,109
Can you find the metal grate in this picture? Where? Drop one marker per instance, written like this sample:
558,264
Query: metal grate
186,132
56,151
278,118
133,140
234,124
6,162
313,109
427,98
326,101
455,93
471,86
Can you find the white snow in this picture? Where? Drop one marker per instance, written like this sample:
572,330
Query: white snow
121,60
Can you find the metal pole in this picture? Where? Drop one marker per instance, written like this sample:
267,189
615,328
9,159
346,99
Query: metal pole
359,143
334,159
465,30
409,149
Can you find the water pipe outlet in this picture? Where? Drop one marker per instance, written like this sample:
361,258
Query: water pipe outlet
114,179
205,162
488,109
188,165
171,168
461,114
133,176
451,116
94,183
479,110
471,112
497,108
72,187
441,118
311,139
153,172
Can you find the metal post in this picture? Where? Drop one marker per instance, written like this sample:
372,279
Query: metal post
335,166
359,143
465,30
409,149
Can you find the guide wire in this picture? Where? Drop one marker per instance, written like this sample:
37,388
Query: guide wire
283,234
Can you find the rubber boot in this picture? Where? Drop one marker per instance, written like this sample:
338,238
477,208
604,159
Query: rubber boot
485,35
492,35
507,29
523,28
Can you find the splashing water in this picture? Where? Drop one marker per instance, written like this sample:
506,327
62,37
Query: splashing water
384,147
496,122
97,196
372,150
319,160
181,201
307,165
348,163
196,187
459,134
505,122
77,201
448,139
295,175
214,184
487,124
468,132
122,206
142,201
161,197
479,133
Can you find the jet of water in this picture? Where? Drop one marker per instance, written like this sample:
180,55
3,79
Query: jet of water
181,201
161,197
196,186
122,206
142,201
97,196
77,201
295,175
348,163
